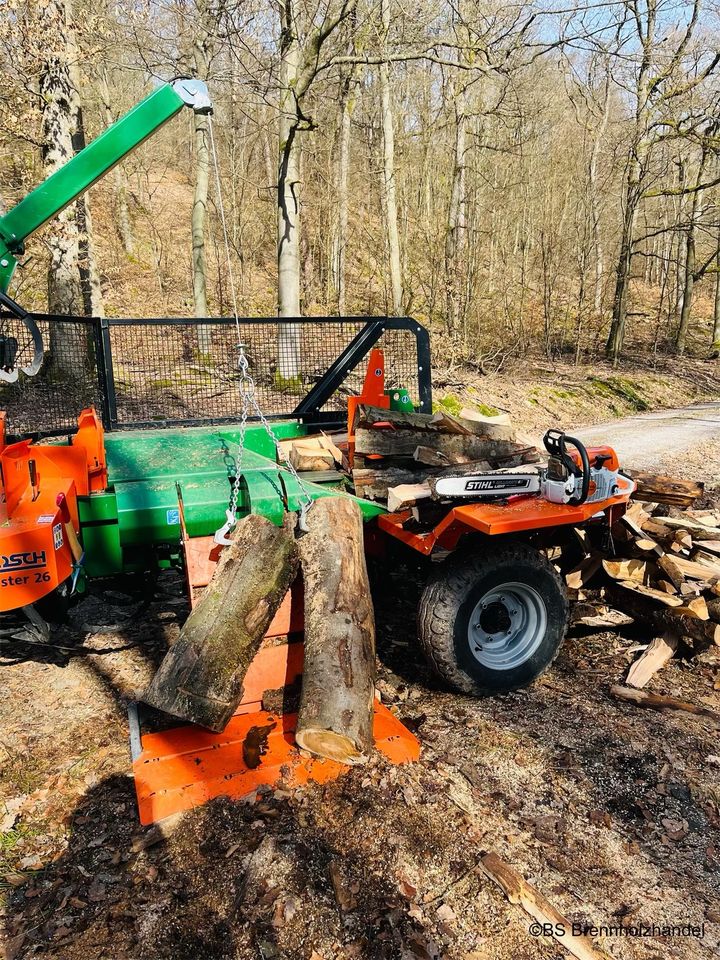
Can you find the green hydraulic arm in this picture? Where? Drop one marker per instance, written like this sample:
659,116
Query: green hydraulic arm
92,163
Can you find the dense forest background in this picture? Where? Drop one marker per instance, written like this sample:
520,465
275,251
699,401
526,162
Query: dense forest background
525,177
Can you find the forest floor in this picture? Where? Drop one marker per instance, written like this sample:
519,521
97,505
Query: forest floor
613,812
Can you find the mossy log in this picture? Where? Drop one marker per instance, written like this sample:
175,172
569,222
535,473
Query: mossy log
201,677
338,688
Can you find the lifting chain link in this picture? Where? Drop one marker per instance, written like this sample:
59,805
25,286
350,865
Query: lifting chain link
248,406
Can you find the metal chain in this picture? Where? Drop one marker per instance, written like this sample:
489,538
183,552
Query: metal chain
248,398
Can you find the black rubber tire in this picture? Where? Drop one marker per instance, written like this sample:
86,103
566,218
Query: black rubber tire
450,596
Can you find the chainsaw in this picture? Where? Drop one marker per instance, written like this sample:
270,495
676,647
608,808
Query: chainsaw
566,479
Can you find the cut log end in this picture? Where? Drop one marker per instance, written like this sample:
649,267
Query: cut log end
330,746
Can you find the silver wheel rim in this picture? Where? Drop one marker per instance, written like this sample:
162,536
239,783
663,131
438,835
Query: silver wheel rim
506,626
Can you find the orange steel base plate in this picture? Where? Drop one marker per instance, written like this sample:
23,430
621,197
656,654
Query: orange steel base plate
186,766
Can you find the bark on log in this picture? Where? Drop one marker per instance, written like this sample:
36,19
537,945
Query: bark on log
440,422
201,677
338,690
373,484
659,701
652,488
703,633
404,443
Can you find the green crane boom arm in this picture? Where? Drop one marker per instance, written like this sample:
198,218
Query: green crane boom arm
91,163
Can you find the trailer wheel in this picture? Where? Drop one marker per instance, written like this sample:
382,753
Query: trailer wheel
493,620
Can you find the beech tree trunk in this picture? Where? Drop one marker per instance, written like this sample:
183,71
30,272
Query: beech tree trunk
73,285
389,191
288,182
201,678
338,690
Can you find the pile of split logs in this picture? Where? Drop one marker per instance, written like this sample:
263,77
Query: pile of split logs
201,677
399,455
662,569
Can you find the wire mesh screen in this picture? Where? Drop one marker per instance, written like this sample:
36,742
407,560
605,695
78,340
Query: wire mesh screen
185,371
67,382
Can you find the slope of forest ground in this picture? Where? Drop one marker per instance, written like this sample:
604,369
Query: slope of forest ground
612,812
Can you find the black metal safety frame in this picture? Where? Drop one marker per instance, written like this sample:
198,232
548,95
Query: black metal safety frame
312,408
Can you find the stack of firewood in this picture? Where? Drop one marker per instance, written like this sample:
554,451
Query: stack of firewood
397,455
661,568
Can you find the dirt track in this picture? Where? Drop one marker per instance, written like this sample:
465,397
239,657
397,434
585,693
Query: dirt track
685,439
613,812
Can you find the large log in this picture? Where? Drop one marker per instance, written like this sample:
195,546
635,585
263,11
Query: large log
201,677
338,689
404,443
654,488
440,422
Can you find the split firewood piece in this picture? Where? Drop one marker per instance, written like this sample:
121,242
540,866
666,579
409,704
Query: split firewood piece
626,569
338,689
584,572
523,894
604,617
669,600
666,586
656,528
407,495
659,489
640,603
679,568
658,653
309,454
699,530
712,546
696,608
201,677
659,701
373,483
328,444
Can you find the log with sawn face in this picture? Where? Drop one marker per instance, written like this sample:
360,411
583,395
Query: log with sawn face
338,687
201,677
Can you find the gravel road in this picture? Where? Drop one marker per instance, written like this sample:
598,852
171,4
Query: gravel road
685,441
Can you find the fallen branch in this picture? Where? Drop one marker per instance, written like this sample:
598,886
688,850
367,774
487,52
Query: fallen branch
520,892
659,701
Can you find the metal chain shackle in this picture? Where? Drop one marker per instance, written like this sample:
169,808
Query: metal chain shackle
248,405
248,399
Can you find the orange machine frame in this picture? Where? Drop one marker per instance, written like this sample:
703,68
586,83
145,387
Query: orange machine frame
35,550
520,514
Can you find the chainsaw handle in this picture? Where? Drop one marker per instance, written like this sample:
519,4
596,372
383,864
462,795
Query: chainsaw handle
555,443
585,461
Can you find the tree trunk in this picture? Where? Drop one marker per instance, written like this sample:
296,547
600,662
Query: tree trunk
201,52
201,677
389,191
716,305
122,213
347,103
73,287
456,228
288,250
338,689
